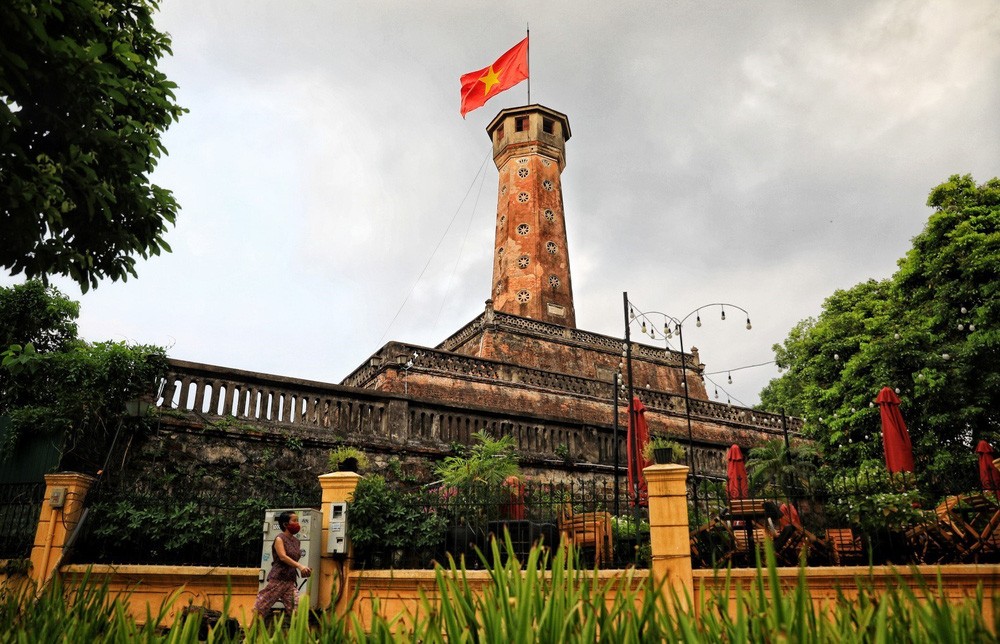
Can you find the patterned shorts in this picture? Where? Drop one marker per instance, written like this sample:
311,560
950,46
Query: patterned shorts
272,592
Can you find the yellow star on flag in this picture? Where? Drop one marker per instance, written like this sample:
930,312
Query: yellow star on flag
490,79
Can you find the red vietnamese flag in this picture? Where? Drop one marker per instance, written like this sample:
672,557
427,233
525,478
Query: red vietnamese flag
509,70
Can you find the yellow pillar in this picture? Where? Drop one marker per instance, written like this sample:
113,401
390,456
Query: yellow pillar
669,532
61,511
338,487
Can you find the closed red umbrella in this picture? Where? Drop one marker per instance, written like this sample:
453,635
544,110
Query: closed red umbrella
989,475
895,438
789,516
638,436
513,506
737,486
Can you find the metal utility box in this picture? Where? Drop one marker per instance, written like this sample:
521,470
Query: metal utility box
310,536
337,541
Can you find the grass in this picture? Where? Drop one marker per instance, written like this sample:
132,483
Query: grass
550,600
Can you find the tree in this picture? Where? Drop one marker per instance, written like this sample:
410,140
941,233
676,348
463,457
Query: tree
82,109
928,331
775,468
66,389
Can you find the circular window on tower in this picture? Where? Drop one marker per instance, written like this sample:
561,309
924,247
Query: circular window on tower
523,261
549,215
553,281
523,229
523,296
522,197
551,247
547,185
500,250
522,172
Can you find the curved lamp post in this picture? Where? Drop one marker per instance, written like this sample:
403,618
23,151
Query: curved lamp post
671,326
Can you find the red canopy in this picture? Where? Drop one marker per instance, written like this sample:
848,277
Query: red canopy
638,436
895,438
989,475
737,486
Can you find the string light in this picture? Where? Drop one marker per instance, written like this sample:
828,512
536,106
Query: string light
730,378
697,320
723,313
749,326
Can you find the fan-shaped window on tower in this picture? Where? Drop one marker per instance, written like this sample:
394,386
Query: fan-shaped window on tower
551,247
553,281
503,190
547,184
523,229
522,172
523,197
523,261
546,162
499,288
522,160
503,220
549,215
523,296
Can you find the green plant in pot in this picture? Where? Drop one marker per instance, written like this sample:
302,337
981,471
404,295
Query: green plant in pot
663,451
348,459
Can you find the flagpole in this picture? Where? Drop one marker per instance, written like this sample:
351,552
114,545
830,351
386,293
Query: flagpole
527,29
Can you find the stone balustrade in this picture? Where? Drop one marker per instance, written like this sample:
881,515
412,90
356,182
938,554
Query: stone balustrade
389,420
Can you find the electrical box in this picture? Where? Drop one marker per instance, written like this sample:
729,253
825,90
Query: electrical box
58,498
309,536
337,540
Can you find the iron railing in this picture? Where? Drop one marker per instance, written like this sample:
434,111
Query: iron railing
461,524
127,526
20,505
875,518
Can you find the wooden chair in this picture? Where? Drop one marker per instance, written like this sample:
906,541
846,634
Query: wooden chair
589,530
845,544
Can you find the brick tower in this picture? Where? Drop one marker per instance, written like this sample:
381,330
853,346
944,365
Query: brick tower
531,275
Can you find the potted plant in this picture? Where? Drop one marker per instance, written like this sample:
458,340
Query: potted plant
663,451
348,459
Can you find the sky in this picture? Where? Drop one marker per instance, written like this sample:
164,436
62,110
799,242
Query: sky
758,153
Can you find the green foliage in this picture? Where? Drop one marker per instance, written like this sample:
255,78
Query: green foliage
382,516
71,389
773,468
41,316
343,455
874,500
550,600
82,110
930,331
677,451
489,461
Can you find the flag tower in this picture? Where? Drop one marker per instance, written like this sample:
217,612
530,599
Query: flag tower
531,275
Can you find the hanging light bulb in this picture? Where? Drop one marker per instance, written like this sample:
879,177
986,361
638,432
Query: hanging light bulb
697,320
716,393
961,327
895,336
964,310
945,356
897,390
836,357
677,328
920,376
631,312
972,327
666,329
644,327
749,326
871,404
730,378
723,313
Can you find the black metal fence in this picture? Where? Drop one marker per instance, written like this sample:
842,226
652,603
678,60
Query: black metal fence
127,526
861,519
392,529
20,505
